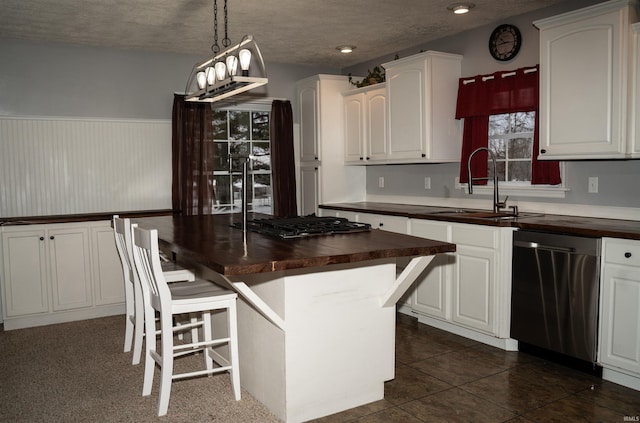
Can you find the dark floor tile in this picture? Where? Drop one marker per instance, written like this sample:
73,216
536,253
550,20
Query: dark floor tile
623,400
456,405
409,350
575,409
389,415
457,368
410,384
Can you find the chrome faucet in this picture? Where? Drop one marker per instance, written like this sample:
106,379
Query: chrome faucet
497,204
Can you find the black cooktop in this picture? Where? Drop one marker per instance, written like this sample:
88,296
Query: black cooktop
303,226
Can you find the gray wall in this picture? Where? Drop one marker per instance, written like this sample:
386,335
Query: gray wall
618,180
46,79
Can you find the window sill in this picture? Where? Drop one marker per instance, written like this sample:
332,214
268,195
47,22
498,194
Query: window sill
540,191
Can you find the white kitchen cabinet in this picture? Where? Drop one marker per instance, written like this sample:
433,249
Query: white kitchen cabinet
421,96
365,122
634,105
308,190
432,291
321,138
586,54
396,224
55,273
619,347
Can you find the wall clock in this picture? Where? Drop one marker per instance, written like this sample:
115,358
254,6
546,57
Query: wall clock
505,42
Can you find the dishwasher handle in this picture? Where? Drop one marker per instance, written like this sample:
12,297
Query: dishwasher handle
538,246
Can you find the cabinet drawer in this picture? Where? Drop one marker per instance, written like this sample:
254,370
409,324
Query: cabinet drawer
622,251
475,235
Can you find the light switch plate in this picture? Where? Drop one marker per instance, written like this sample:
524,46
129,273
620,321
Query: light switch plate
593,184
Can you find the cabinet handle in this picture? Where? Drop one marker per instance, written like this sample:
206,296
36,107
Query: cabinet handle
361,158
543,151
368,158
381,224
424,155
627,254
52,237
41,238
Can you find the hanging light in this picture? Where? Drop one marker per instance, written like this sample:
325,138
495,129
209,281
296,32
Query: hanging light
216,77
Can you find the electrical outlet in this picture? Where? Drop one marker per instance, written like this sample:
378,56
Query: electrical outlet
381,182
593,184
427,182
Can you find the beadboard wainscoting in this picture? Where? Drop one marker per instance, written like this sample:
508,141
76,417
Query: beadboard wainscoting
53,166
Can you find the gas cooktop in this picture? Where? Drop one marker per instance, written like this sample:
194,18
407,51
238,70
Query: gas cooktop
303,226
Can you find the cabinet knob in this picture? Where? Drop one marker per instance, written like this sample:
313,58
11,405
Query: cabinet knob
41,238
543,151
424,155
361,158
52,237
368,158
381,224
627,254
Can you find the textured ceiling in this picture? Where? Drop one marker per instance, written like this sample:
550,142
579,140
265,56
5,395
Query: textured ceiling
304,32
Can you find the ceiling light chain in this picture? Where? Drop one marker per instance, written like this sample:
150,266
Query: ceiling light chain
215,48
226,42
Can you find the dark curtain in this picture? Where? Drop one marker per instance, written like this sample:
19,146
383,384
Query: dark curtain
192,157
282,160
501,92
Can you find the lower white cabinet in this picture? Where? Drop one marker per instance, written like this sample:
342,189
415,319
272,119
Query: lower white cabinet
619,348
471,288
387,223
59,272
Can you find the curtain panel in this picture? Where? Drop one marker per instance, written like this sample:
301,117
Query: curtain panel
282,160
192,157
498,93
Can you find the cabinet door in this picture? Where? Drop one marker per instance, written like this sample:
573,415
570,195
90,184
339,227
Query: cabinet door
70,265
586,57
25,273
106,266
620,325
377,130
354,127
308,103
310,190
634,111
405,90
473,287
431,294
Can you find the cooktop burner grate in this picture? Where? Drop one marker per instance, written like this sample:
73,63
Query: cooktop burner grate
304,226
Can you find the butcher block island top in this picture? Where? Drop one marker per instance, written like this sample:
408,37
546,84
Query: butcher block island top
316,315
211,241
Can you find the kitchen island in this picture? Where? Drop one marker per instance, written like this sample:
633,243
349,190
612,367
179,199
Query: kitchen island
316,323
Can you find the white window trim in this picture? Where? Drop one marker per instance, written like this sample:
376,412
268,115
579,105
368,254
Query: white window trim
518,189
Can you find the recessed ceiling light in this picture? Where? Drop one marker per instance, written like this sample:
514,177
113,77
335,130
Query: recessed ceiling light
461,8
345,49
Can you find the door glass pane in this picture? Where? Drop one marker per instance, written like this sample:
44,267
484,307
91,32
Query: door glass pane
238,125
220,126
260,126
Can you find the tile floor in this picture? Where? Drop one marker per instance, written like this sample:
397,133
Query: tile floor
441,377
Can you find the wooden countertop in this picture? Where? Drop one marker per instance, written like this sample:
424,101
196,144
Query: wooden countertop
212,242
576,225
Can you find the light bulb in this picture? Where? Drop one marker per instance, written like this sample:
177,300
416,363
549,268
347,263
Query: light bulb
232,65
245,60
221,71
201,77
211,75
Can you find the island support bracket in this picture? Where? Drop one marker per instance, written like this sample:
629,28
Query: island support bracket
408,276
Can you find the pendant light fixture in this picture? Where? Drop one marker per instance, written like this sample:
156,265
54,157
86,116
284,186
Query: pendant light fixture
216,78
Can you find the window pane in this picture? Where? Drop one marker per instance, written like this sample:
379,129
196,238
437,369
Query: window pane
499,124
222,190
220,125
520,148
263,156
260,126
498,146
221,156
238,150
523,122
500,168
520,171
238,125
262,193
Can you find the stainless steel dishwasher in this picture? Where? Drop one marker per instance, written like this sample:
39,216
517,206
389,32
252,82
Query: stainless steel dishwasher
555,289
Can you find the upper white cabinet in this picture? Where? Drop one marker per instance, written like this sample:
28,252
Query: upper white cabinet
634,105
585,58
321,138
366,128
421,96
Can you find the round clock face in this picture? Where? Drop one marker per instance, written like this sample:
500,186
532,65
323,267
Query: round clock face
505,42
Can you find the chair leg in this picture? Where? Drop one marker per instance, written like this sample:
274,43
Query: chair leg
207,334
233,349
166,368
149,345
139,328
